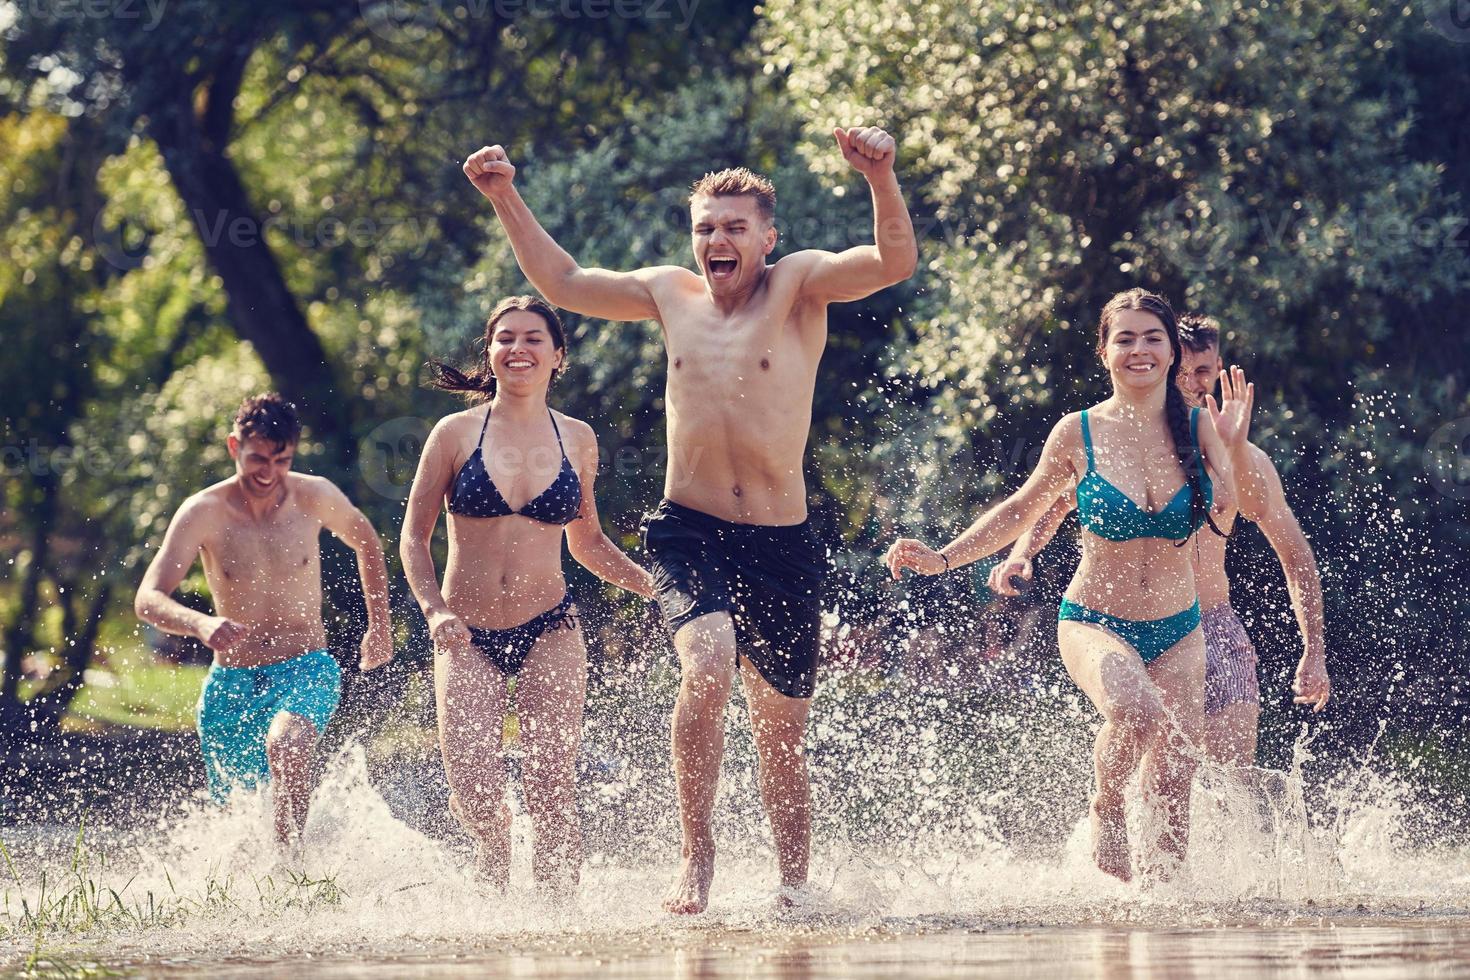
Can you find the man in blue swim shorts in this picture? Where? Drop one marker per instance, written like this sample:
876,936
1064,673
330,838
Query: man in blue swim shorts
273,685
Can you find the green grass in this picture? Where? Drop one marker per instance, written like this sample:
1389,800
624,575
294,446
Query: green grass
86,897
140,692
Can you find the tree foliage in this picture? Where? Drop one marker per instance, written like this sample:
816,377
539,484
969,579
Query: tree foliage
240,196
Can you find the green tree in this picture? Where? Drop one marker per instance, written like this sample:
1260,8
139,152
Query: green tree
285,175
1260,162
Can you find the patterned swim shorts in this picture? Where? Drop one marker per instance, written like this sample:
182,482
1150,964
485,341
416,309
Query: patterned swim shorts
1230,661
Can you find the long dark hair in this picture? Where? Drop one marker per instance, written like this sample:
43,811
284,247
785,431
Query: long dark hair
1176,412
478,383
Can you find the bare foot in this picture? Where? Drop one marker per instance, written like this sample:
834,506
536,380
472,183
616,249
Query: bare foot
689,895
490,867
1110,840
491,864
791,897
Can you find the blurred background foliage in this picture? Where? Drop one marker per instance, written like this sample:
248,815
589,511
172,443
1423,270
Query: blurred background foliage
223,198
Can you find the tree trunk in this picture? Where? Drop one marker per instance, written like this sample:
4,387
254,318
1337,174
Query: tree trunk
80,629
262,309
21,633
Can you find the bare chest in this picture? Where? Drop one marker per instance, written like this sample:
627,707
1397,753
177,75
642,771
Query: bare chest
740,358
1149,475
264,554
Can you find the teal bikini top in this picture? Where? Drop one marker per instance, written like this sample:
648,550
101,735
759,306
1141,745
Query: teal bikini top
1109,513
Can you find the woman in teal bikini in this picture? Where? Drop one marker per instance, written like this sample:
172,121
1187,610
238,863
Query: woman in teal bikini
1128,628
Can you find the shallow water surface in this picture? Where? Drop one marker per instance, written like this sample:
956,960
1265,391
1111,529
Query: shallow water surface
1347,948
1367,888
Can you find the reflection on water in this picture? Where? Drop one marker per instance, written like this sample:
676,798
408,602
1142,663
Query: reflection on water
1355,950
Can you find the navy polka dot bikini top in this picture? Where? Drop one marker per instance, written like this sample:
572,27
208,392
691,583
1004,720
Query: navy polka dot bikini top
474,494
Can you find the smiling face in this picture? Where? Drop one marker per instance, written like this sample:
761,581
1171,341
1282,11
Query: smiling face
261,465
1137,351
1198,371
522,351
731,241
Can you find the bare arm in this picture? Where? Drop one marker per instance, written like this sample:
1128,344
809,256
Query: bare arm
591,546
1028,546
840,277
340,516
554,273
1224,431
430,484
1003,523
1217,457
154,603
1273,515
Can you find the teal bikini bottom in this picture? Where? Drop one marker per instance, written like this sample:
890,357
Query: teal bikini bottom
1150,637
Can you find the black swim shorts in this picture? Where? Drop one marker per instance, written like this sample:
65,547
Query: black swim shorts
769,579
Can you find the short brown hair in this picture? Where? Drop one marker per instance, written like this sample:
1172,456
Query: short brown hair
1199,332
268,416
737,182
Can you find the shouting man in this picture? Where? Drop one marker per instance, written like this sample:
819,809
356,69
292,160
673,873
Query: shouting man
736,565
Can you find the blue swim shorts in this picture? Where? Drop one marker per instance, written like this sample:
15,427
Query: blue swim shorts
238,704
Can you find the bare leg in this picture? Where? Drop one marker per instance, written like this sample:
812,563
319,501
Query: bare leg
550,693
779,726
1230,735
469,694
1169,767
289,745
1113,677
707,663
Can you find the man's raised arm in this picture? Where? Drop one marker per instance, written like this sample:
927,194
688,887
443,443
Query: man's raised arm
554,273
841,277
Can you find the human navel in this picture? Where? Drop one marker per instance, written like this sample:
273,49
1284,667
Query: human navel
735,490
765,364
678,361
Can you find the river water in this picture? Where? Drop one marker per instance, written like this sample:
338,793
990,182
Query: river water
1349,949
1270,889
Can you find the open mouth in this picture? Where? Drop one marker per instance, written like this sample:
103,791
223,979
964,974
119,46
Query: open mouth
722,266
1140,368
519,365
262,484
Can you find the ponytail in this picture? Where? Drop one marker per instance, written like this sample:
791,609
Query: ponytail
478,385
1176,414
